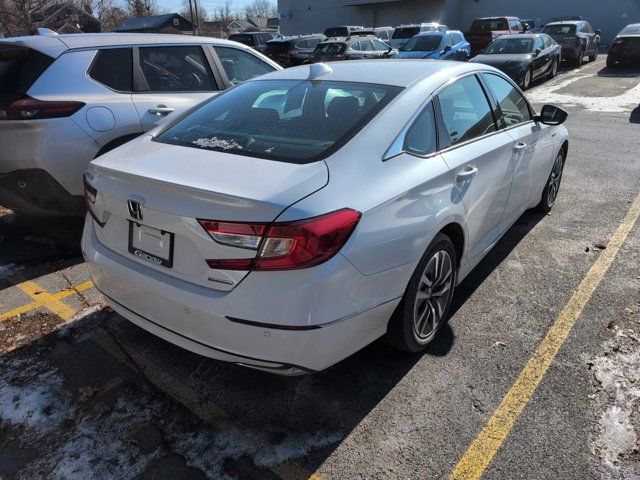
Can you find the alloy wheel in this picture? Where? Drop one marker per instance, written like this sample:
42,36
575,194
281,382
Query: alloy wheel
527,80
554,68
432,298
555,179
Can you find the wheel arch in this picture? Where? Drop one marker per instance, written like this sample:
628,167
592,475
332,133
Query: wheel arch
116,142
455,232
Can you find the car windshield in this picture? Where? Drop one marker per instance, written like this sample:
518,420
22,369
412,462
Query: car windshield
244,39
336,32
489,25
559,29
330,48
510,46
405,32
631,30
422,44
296,121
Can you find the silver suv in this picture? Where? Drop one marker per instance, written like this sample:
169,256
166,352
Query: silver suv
67,99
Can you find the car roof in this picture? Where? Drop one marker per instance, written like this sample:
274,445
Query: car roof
523,35
396,72
249,33
497,18
431,34
565,22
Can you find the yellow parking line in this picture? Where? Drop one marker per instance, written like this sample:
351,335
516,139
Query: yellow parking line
74,290
47,300
19,310
479,455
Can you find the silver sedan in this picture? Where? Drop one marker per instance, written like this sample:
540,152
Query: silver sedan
297,217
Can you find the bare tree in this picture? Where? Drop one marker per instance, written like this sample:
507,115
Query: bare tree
261,8
141,8
17,17
196,14
224,13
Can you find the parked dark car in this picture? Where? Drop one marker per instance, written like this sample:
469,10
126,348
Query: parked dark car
625,48
524,58
577,39
436,45
351,48
256,40
294,50
485,30
342,31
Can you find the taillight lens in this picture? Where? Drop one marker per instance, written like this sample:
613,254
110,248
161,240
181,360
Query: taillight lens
90,196
23,107
284,246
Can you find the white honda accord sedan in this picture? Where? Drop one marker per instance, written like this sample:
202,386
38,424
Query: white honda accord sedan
297,217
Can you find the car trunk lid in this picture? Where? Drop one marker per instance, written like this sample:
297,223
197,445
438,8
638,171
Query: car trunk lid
174,186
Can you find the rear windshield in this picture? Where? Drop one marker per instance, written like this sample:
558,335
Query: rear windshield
422,44
630,30
510,46
277,46
336,32
244,39
330,48
287,120
559,29
19,68
405,32
491,25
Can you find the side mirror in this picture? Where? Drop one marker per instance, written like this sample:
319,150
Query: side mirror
447,48
598,32
551,115
537,52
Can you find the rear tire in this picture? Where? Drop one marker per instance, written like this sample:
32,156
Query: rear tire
611,61
580,59
424,308
552,188
527,80
554,69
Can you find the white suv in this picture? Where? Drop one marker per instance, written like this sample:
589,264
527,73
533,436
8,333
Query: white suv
67,99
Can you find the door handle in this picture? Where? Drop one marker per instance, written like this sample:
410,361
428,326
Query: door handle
520,146
160,110
466,174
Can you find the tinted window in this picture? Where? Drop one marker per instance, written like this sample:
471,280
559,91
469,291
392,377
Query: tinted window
241,66
465,110
516,26
508,45
176,69
405,32
421,136
336,32
427,43
514,107
19,68
489,25
313,43
113,68
380,46
330,48
560,29
288,120
244,39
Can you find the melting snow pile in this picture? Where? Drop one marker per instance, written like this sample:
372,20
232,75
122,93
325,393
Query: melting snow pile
618,373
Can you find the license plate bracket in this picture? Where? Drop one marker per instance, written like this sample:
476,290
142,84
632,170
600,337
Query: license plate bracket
151,244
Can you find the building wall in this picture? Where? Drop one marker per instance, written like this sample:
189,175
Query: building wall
311,16
314,16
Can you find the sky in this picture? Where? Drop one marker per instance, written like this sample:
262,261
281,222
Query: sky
209,5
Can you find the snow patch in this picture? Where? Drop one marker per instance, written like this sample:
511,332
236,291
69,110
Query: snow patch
216,142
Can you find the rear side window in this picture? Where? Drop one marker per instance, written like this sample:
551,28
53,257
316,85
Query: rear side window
491,25
295,121
560,29
405,32
336,32
20,67
113,68
514,107
465,110
176,69
244,39
241,66
421,136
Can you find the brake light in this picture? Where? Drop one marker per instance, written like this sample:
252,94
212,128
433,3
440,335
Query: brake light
284,246
90,196
23,107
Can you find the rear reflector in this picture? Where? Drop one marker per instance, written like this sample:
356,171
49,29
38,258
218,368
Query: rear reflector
284,246
90,195
23,107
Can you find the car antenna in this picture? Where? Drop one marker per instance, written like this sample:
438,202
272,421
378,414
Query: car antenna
318,69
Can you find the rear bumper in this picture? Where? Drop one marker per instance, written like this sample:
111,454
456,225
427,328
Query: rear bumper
570,53
202,320
35,192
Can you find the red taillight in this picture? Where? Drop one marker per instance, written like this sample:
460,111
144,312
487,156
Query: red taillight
284,246
23,107
90,195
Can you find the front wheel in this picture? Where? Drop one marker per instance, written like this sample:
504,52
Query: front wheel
580,59
526,81
594,56
551,189
554,69
425,305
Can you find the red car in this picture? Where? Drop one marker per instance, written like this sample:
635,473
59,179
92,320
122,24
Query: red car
486,30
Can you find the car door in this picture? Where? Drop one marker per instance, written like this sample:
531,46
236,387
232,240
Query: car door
531,146
446,47
540,57
382,49
170,79
479,157
368,49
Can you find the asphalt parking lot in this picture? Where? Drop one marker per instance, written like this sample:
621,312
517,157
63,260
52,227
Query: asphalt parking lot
536,375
